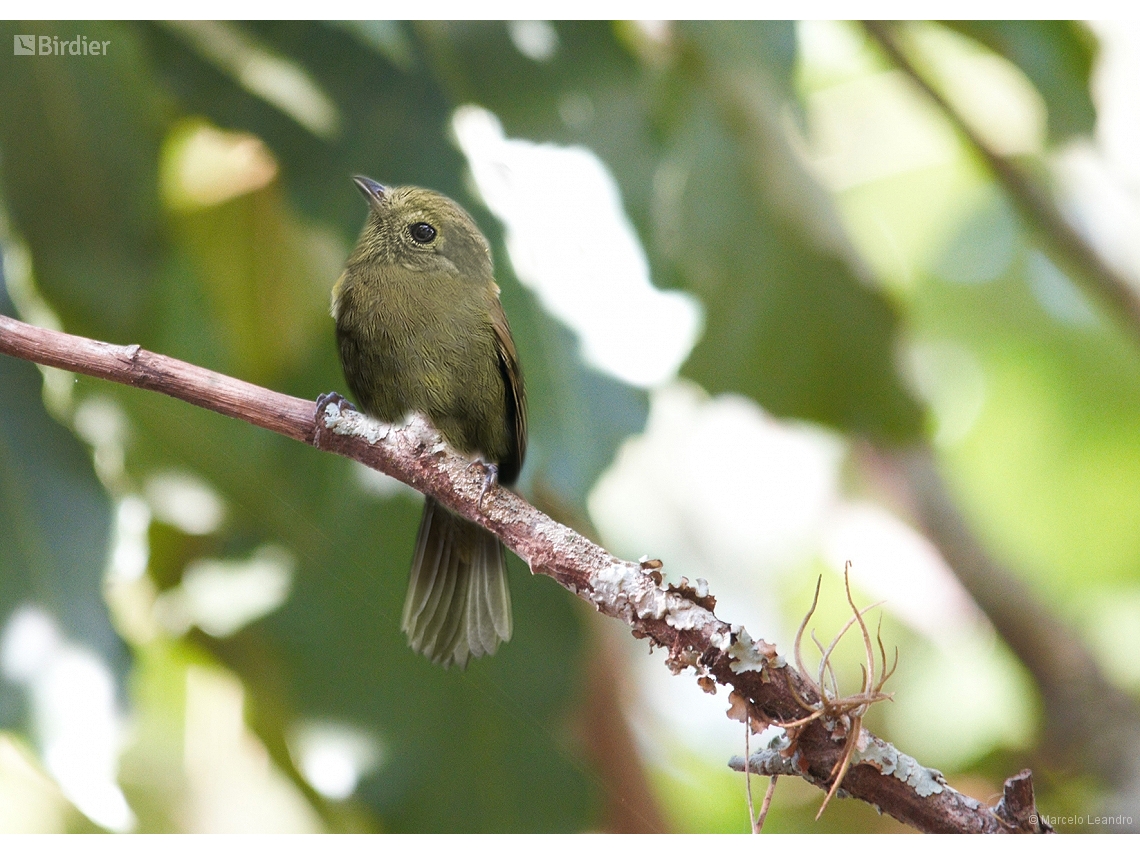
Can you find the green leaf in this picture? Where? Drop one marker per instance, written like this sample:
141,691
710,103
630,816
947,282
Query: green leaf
1056,56
80,137
745,226
55,524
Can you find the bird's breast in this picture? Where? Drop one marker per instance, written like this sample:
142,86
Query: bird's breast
416,344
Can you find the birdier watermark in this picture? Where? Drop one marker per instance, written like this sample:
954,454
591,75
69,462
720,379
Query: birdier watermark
1088,819
33,45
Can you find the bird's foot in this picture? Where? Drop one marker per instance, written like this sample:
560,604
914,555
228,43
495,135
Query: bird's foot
324,400
490,479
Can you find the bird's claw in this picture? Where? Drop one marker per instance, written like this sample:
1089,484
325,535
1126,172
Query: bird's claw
490,479
324,400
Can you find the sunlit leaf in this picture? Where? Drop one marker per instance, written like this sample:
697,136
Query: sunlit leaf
56,525
1056,56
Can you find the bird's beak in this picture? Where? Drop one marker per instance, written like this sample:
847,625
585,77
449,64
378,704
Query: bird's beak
371,190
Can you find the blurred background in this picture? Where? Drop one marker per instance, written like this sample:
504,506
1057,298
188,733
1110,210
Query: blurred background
785,296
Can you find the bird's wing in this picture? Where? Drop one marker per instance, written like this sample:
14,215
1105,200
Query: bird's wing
516,396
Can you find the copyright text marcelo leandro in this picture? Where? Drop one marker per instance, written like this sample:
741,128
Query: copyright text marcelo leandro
1060,821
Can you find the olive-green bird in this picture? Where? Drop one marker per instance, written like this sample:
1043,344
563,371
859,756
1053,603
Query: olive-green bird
421,329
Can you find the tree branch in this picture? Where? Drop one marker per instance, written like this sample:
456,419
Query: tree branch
1067,244
678,618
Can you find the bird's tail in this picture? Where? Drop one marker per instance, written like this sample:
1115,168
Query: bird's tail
458,603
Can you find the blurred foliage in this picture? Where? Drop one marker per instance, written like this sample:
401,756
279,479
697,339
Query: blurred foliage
52,553
696,148
804,313
1056,56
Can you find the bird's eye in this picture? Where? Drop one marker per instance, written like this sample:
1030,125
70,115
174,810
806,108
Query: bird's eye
422,232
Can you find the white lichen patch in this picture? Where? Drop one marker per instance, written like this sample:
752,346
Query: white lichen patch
686,615
890,761
417,429
748,654
623,583
353,423
721,640
332,415
777,739
563,538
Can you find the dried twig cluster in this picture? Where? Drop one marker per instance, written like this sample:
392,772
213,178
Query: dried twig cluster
843,714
